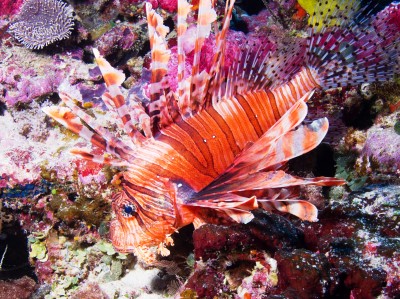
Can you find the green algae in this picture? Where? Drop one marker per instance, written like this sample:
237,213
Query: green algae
345,170
38,251
90,210
397,127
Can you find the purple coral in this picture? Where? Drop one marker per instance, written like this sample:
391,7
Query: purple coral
42,22
382,147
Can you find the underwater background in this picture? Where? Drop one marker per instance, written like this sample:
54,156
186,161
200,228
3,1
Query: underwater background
55,209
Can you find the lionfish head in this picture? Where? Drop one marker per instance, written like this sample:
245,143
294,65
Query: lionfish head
144,221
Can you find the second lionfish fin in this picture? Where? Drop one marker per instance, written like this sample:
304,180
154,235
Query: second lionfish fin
264,180
350,43
265,184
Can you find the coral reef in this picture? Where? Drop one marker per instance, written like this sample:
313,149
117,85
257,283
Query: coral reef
55,210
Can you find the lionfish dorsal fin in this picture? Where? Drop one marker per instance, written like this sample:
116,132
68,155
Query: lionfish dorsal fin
183,10
112,76
214,84
206,16
160,54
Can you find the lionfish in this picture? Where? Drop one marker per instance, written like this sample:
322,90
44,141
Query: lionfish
215,149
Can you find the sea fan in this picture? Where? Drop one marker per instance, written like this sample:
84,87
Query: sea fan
42,22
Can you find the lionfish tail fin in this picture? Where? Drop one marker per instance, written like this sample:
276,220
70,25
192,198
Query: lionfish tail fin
350,43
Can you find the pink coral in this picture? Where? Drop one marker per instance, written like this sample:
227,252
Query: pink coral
9,7
169,5
382,146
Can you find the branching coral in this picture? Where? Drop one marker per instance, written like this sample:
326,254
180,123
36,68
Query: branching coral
42,22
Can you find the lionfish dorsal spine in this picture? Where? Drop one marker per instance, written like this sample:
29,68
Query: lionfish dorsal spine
115,100
160,54
206,16
214,87
113,145
183,97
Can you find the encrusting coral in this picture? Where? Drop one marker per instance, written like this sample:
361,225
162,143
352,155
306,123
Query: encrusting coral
42,22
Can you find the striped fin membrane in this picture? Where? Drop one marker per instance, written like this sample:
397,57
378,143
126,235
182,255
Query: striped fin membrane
256,168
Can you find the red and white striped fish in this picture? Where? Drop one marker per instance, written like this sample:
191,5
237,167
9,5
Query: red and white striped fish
213,150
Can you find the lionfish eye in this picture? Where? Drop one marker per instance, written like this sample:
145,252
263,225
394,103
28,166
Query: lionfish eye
128,210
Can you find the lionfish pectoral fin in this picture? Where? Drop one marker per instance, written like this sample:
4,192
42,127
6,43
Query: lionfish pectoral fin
264,181
300,208
197,222
249,160
234,206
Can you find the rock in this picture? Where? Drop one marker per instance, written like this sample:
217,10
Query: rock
210,240
275,231
21,288
304,271
207,282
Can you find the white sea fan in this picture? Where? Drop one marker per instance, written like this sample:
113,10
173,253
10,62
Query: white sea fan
42,22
